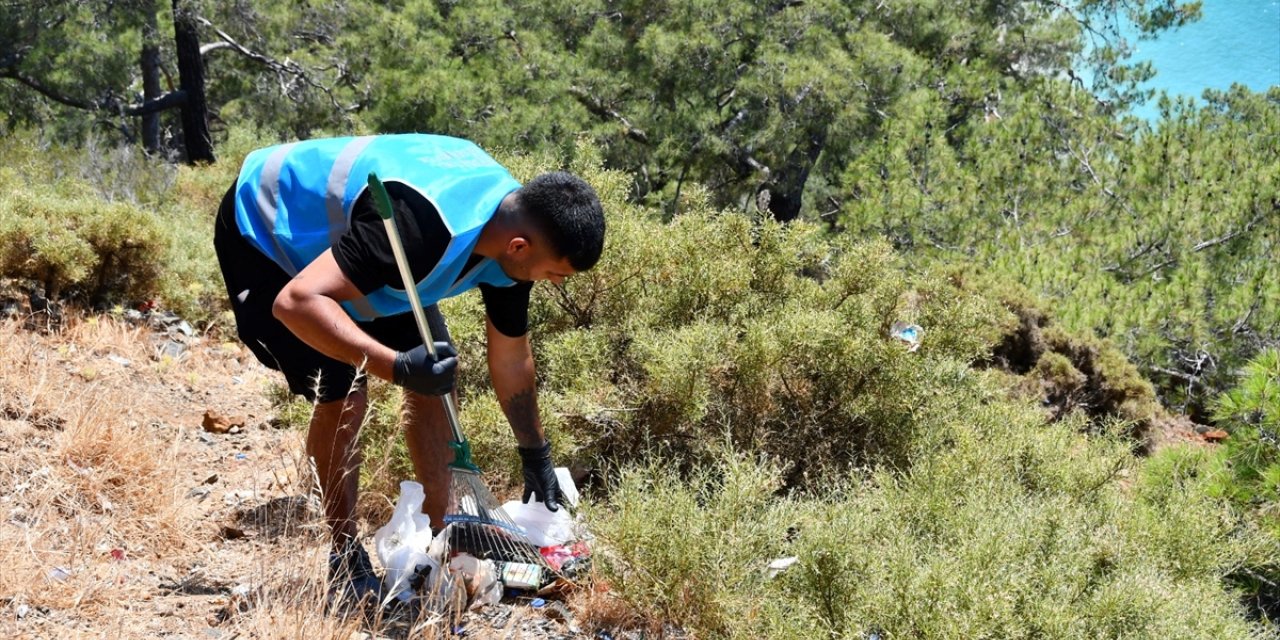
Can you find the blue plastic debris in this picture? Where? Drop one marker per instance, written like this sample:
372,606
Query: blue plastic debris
908,334
538,603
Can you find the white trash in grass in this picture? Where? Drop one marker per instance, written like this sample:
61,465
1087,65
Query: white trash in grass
549,528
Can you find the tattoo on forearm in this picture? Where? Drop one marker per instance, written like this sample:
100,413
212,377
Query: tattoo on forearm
522,413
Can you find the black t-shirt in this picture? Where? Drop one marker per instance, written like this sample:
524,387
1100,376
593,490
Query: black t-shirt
364,255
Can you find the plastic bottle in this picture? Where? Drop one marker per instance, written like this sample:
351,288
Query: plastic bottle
402,542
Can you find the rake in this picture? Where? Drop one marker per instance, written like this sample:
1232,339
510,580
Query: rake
475,521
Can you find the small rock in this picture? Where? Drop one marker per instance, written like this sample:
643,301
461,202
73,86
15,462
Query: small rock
163,319
232,498
133,315
205,438
185,328
171,350
217,423
229,532
122,361
200,493
211,479
23,610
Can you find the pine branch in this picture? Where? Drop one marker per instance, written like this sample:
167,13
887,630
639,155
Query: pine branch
598,108
48,92
286,69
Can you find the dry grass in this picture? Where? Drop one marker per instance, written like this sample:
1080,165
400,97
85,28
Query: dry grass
83,486
121,518
101,536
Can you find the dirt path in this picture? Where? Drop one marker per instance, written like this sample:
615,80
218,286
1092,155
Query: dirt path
121,517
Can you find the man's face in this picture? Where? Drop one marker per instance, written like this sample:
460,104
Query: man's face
533,261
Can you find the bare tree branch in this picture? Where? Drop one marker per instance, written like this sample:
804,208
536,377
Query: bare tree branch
47,91
166,101
1217,241
286,69
598,108
214,46
169,100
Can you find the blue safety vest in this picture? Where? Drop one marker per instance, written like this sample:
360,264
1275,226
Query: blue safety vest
294,201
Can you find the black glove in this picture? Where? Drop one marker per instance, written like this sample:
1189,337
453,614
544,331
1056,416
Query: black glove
540,477
417,371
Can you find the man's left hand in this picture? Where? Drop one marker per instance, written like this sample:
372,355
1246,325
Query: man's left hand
540,476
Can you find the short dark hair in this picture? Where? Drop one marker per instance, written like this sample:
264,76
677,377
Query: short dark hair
568,213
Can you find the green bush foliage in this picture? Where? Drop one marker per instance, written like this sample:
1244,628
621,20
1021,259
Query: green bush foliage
1153,236
109,226
1251,411
1019,529
717,327
76,242
1247,466
738,376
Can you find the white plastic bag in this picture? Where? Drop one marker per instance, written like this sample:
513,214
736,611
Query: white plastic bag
402,542
547,528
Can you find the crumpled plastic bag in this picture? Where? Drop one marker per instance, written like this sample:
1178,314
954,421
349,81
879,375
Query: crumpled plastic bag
547,528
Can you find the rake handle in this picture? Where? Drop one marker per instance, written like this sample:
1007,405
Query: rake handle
460,446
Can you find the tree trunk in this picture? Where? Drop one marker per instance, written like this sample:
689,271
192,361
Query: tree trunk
195,111
788,187
150,62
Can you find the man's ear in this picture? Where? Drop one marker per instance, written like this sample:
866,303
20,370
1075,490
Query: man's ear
517,245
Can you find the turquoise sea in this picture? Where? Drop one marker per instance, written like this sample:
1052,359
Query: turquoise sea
1235,41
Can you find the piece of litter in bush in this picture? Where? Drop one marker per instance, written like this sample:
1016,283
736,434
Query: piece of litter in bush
538,603
780,565
59,574
122,361
909,334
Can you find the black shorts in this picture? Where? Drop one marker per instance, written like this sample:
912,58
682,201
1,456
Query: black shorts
253,280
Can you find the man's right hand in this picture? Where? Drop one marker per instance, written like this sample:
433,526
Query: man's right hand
417,371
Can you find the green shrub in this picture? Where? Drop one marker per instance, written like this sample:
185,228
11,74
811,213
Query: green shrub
80,245
1248,467
1009,527
1065,370
1156,236
1251,413
109,225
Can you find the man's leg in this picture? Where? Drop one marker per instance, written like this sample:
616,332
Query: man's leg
427,434
333,442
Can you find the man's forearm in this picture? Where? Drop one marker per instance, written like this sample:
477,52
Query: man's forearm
322,324
515,384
